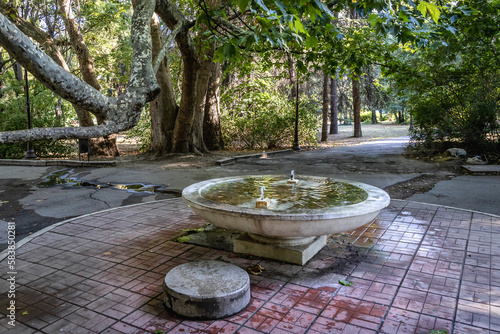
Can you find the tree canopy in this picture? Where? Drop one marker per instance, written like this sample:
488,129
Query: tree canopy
326,36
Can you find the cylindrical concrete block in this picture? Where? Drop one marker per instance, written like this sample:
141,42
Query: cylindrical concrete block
206,289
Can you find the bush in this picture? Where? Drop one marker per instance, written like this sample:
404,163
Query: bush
142,131
13,117
256,116
366,117
469,121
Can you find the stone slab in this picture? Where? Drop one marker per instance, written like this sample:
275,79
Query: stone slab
206,289
482,169
299,254
65,163
262,155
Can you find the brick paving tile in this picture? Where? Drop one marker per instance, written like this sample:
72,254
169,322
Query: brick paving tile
416,268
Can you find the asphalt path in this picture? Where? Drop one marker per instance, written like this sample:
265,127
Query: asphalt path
33,206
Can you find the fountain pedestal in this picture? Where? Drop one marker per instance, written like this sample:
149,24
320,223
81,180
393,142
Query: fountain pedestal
293,250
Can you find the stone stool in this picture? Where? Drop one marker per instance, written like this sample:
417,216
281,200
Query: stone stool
206,290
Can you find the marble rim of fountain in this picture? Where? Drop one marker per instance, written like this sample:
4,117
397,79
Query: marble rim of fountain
286,225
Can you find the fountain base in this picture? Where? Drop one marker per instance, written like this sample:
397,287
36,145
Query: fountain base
281,249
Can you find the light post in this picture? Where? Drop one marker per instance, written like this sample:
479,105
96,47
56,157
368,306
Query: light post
30,153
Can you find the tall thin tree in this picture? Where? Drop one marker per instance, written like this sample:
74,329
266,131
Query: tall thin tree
324,127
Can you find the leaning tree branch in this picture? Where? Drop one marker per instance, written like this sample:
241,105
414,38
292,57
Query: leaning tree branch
119,114
62,133
165,47
37,34
48,72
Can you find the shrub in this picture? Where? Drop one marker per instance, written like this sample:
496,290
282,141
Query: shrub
13,117
255,115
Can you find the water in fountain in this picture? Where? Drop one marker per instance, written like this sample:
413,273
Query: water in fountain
284,196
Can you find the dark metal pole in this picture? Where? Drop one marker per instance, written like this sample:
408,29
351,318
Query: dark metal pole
30,153
296,146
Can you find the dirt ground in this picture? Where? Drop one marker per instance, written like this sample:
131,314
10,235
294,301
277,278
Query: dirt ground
433,169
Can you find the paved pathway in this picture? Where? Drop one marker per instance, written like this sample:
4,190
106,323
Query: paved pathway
416,268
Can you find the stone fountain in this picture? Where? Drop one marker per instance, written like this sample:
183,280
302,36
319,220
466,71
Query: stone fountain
292,217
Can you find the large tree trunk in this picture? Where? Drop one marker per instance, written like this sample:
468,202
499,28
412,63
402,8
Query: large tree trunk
163,109
206,52
185,117
211,125
356,106
334,113
173,17
324,127
100,146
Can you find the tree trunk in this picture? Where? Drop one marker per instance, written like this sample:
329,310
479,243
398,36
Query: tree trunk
206,51
334,113
100,146
356,106
2,83
324,127
173,17
163,109
374,116
211,125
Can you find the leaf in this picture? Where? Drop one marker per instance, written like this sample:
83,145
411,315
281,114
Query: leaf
438,331
434,12
422,8
281,6
345,283
255,270
311,41
263,6
25,313
106,253
243,5
432,9
323,8
299,27
158,331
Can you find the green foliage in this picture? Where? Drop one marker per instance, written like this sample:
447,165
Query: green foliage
142,131
454,90
366,117
13,117
107,35
255,115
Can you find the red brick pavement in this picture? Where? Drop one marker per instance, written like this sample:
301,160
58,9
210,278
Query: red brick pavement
418,267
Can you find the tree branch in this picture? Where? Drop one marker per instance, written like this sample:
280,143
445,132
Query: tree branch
166,45
40,36
62,133
47,71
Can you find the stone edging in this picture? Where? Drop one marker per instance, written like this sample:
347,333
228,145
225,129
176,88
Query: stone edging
66,163
234,159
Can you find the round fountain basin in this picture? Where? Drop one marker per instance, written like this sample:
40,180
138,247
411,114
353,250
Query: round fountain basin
219,202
